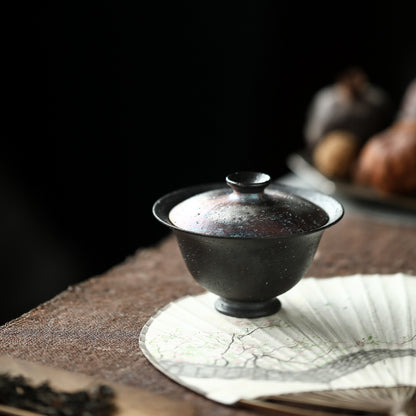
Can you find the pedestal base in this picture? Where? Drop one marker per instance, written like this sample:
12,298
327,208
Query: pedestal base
247,309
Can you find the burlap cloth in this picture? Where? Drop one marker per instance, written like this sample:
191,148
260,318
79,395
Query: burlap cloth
94,327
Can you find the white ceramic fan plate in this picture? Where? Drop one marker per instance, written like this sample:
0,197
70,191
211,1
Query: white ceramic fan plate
335,333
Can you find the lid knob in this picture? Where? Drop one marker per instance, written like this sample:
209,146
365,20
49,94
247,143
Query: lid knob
248,182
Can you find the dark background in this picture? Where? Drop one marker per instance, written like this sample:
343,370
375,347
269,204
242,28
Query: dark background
108,106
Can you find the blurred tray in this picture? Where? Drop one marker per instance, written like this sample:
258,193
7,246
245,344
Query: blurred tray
300,164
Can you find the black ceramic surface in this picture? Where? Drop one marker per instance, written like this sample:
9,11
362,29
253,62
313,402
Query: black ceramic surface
247,209
247,273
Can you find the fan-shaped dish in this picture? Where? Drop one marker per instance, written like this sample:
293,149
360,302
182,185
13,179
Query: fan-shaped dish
331,334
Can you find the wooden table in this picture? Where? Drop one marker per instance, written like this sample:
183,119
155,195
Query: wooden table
94,327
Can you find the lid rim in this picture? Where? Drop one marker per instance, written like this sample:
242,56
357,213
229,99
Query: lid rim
163,206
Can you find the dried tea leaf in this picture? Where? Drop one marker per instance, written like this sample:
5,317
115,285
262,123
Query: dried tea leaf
18,392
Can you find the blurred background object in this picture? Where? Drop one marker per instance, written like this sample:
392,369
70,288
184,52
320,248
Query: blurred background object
351,104
408,108
108,106
351,137
387,162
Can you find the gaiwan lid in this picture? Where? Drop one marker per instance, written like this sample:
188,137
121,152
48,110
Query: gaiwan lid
247,209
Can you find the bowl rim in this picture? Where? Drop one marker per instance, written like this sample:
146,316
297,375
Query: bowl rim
162,207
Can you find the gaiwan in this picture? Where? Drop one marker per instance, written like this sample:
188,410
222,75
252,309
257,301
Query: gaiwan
247,240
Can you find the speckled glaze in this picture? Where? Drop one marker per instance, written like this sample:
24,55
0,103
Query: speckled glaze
248,267
247,209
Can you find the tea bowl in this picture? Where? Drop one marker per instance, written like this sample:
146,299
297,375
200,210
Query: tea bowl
250,241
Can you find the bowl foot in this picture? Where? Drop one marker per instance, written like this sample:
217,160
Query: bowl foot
247,309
